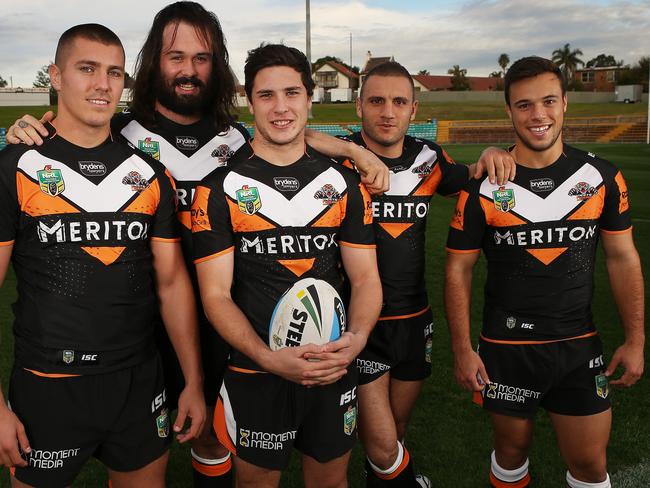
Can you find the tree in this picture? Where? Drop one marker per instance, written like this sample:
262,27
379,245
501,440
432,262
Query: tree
637,74
320,61
3,82
495,74
603,60
424,72
504,61
42,78
459,81
567,60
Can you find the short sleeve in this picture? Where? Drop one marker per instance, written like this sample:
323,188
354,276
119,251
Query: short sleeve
468,222
212,232
165,225
454,176
616,212
9,206
356,227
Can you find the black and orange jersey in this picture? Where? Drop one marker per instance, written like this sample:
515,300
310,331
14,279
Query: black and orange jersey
284,223
399,216
189,152
539,235
80,221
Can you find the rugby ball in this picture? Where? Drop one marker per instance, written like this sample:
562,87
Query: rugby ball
310,312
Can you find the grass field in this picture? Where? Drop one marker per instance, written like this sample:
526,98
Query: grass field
345,112
449,437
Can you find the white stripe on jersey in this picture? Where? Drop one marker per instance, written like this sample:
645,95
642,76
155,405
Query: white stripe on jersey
302,209
404,182
180,166
557,205
107,196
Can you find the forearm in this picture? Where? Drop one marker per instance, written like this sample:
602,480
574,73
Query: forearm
458,292
365,306
235,328
626,281
329,145
178,311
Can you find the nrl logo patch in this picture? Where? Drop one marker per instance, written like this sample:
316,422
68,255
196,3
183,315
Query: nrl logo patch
50,181
504,199
350,420
162,423
602,386
248,200
428,350
511,322
92,168
582,191
151,147
223,153
425,168
68,356
135,180
187,143
328,194
286,183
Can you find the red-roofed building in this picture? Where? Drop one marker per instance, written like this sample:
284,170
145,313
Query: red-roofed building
331,74
443,82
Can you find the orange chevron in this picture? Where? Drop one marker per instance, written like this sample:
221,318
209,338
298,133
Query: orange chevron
429,186
147,201
185,217
547,256
36,203
395,229
298,266
592,208
334,215
107,255
497,218
242,222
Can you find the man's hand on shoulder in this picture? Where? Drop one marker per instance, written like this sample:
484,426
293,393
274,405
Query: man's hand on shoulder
499,164
374,173
29,130
13,439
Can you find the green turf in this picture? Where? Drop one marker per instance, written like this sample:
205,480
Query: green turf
345,112
449,437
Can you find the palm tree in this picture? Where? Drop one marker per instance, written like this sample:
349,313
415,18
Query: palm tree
459,79
567,60
504,61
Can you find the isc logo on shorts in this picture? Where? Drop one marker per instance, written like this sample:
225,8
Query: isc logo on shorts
348,396
159,401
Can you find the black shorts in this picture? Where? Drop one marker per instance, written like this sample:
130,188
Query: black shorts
121,418
260,417
402,346
214,358
564,377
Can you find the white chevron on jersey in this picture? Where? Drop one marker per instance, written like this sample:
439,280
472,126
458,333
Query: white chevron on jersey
302,209
180,166
404,182
109,195
556,206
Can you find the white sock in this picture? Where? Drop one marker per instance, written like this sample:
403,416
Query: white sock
396,464
209,462
509,475
574,483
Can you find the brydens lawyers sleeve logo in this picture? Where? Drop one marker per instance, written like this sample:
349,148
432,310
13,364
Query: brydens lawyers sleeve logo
50,181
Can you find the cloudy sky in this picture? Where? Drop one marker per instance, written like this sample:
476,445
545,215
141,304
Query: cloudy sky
421,34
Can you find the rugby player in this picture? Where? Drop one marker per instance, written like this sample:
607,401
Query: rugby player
539,345
257,226
397,358
90,226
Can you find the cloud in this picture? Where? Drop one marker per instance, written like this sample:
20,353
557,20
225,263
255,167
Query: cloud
421,35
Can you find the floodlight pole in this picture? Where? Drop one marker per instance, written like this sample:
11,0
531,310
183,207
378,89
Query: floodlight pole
308,44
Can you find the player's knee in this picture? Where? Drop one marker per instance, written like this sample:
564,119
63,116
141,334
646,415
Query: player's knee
208,447
511,456
333,480
588,470
383,453
574,481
